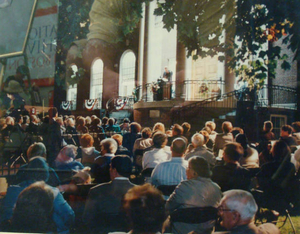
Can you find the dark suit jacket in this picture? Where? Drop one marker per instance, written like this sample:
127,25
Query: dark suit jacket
103,207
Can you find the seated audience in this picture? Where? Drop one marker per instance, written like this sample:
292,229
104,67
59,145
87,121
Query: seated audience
232,175
286,136
140,145
296,130
36,150
187,131
87,153
198,141
237,211
65,160
223,138
125,126
112,128
63,215
130,137
159,127
71,132
276,177
160,153
197,191
250,158
144,206
81,128
121,149
100,168
172,172
102,211
213,133
177,131
34,209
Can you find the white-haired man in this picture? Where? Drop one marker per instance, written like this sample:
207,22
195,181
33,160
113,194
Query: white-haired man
237,211
198,142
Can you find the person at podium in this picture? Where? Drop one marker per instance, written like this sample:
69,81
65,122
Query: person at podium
166,84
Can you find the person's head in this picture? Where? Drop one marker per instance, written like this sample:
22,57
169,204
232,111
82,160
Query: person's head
88,120
237,207
198,167
26,119
36,149
237,130
198,140
145,208
108,146
205,135
166,69
135,127
70,122
126,121
186,127
83,176
80,121
226,127
158,127
104,120
207,129
177,130
52,112
268,126
118,138
34,119
211,125
22,71
60,121
160,140
33,210
286,130
9,120
296,126
86,140
242,139
280,150
37,170
66,154
111,121
232,152
120,166
146,133
96,122
178,147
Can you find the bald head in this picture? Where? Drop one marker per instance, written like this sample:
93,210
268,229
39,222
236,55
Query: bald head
178,147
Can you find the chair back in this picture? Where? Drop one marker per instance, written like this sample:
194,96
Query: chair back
194,215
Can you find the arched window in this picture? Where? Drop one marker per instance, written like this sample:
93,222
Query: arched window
96,85
127,73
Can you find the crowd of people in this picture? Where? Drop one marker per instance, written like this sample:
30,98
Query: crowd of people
92,175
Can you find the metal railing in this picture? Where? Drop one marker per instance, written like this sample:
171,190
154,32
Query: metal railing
277,96
197,90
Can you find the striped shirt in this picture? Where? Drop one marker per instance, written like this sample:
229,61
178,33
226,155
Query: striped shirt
170,172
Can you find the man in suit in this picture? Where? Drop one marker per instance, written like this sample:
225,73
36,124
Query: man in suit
198,141
223,138
102,211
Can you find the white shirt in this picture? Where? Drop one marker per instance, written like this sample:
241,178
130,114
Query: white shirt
153,157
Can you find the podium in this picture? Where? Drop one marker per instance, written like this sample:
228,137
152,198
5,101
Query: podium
166,86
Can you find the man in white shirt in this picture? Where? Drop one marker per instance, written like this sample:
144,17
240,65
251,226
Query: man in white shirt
160,153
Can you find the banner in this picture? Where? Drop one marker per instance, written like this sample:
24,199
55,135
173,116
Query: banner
92,104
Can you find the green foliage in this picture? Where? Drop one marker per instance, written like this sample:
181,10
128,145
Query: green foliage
250,27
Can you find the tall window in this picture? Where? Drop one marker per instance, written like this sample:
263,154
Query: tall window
127,73
96,85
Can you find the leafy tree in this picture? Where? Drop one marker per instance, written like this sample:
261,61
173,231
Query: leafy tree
244,29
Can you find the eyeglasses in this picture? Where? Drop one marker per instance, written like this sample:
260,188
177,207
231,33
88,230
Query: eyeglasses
221,209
